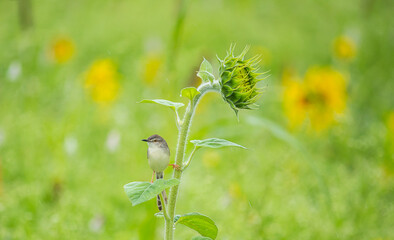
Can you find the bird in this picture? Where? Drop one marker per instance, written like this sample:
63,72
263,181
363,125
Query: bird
158,159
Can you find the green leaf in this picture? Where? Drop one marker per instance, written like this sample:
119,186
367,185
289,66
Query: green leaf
172,105
201,238
159,214
215,143
189,92
206,71
139,192
200,223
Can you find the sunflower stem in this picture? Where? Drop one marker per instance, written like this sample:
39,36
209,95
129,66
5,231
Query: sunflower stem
180,154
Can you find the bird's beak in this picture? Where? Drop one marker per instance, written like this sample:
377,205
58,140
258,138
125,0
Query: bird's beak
144,140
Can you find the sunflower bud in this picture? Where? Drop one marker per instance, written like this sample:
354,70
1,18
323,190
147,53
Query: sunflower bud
238,78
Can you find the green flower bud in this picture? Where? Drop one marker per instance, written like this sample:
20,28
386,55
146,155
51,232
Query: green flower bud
238,78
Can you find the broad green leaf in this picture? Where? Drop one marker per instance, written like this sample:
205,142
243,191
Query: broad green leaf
215,143
206,71
189,92
139,192
172,105
201,238
200,223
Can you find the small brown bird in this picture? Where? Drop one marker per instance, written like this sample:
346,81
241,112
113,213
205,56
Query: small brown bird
159,159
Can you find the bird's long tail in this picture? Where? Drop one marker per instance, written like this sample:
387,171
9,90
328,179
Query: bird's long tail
160,175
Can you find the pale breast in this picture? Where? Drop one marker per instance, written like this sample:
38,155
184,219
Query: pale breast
158,158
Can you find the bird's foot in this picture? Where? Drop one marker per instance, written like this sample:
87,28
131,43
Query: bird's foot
175,166
151,181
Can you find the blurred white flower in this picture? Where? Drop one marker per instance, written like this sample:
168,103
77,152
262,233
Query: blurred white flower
224,201
113,140
70,145
2,137
14,71
54,218
153,44
121,115
96,223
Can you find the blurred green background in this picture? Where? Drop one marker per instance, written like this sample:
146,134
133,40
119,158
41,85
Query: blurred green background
70,128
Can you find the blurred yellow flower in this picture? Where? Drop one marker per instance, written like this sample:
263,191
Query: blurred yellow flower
101,81
235,190
387,166
390,132
152,65
344,48
211,159
293,97
390,123
62,50
320,96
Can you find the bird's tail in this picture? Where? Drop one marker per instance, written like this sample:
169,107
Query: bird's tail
160,175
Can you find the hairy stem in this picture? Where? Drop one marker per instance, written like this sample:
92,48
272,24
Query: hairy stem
169,229
180,155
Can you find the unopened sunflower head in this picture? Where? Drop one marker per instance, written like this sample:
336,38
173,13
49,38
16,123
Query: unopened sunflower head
238,79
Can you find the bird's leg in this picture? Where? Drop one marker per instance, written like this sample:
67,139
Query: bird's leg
175,166
153,175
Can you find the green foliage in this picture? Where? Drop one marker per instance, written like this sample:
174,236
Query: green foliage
200,223
201,238
215,143
159,214
206,71
189,92
139,192
173,105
